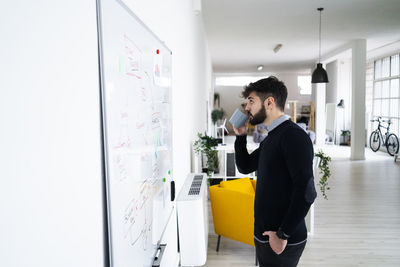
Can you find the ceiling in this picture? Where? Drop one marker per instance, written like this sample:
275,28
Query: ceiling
242,33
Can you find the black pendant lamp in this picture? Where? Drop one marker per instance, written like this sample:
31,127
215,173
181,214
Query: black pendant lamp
319,75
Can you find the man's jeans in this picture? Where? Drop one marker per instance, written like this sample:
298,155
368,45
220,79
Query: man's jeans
288,258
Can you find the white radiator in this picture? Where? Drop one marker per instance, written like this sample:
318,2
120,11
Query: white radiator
192,212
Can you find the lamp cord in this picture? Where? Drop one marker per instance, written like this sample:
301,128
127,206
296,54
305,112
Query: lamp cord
320,12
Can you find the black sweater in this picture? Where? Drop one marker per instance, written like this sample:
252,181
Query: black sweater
285,183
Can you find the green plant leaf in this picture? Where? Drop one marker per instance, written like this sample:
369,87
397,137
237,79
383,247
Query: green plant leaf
217,114
325,171
207,145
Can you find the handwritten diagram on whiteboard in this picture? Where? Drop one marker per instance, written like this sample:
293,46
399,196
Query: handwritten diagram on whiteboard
136,90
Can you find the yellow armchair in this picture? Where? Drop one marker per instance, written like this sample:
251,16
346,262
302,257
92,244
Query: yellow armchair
232,205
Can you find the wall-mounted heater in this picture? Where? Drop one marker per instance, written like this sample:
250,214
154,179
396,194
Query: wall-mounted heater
192,212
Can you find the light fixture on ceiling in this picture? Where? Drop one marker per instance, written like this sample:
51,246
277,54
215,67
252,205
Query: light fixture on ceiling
260,67
277,48
319,75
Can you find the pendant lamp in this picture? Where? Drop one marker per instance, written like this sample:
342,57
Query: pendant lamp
319,75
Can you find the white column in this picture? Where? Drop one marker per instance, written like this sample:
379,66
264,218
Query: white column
320,123
359,59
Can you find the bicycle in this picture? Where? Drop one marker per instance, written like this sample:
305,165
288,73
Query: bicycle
390,141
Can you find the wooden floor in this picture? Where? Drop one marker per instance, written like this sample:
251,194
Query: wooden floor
359,225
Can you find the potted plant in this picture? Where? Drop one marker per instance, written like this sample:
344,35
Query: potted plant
206,145
325,171
346,138
217,99
217,114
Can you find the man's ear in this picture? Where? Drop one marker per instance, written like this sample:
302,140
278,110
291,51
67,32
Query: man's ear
270,100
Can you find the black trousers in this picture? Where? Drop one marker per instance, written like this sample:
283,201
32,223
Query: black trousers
288,258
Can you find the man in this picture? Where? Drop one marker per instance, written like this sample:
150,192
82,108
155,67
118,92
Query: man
285,183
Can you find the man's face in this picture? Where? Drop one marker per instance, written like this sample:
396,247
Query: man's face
256,109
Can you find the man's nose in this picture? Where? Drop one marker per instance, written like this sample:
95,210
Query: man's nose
247,107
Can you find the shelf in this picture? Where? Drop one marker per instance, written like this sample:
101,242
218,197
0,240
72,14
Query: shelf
311,115
223,171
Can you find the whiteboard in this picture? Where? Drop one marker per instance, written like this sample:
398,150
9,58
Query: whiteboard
135,70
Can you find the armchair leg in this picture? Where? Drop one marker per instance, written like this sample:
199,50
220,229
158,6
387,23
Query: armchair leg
256,259
219,240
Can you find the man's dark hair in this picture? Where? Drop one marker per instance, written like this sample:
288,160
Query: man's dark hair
267,87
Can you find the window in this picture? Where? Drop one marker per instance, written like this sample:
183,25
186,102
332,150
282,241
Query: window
394,69
386,91
304,84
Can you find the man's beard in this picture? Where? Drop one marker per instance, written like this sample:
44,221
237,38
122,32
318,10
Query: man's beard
259,117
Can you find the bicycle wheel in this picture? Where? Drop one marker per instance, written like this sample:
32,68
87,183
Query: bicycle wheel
374,141
392,144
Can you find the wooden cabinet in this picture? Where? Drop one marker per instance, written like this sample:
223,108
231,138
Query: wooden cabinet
309,112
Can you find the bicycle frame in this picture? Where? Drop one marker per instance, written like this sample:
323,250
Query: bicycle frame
384,140
389,140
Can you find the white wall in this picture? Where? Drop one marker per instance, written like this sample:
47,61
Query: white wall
50,193
230,99
50,157
369,89
319,94
344,92
331,87
290,80
339,87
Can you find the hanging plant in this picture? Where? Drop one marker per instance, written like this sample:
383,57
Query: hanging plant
217,99
325,171
217,114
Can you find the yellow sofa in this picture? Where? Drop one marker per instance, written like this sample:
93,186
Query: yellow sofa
232,204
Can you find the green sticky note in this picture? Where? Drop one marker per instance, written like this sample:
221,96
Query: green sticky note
164,180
